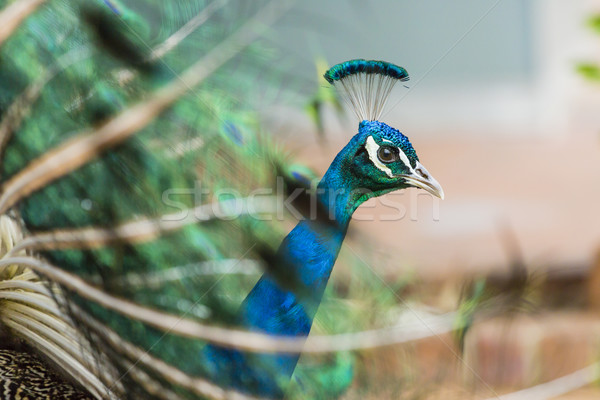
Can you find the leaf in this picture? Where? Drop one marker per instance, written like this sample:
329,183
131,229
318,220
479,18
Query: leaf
594,23
589,71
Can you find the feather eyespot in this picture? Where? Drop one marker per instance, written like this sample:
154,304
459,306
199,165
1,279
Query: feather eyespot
388,154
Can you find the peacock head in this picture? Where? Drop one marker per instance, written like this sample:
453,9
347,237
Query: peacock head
379,159
384,160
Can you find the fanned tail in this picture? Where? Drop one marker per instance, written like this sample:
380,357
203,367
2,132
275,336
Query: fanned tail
97,190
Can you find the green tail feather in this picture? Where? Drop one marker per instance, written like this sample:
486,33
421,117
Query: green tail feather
60,80
207,136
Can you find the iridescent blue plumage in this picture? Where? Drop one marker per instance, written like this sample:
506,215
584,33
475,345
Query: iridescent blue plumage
377,160
307,255
384,131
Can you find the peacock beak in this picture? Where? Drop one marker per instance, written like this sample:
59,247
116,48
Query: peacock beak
421,178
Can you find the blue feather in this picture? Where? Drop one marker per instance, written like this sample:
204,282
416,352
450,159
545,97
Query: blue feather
306,256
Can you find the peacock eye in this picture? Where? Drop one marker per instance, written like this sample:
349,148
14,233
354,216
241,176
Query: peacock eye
387,154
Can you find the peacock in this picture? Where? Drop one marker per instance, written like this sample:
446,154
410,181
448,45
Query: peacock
136,181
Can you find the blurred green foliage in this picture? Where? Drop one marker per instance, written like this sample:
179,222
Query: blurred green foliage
589,70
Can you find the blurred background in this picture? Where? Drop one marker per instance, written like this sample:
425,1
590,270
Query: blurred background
503,108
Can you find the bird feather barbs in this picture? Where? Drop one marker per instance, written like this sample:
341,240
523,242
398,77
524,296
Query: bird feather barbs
366,85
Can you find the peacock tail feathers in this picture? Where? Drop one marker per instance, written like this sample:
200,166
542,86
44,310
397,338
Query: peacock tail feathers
100,195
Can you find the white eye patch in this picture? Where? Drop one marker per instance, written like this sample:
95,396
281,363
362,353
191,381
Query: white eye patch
372,148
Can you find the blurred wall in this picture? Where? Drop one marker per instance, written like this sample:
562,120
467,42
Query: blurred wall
504,67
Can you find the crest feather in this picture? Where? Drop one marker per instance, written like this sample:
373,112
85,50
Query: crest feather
366,84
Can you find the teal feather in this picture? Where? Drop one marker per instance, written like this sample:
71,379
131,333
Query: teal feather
367,67
128,182
366,84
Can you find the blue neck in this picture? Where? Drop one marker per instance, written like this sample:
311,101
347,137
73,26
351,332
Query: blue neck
306,257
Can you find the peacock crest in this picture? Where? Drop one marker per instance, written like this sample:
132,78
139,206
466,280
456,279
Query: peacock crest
366,85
